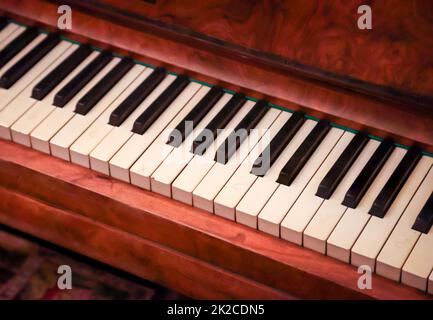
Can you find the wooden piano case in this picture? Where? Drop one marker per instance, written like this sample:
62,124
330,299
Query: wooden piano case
300,54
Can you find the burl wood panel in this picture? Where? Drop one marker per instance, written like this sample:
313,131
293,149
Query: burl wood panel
320,38
405,123
241,251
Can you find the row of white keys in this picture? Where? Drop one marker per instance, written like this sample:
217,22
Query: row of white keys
66,136
174,162
159,150
131,151
9,33
107,148
282,200
196,166
318,229
377,230
22,128
99,129
263,187
233,191
403,238
7,95
306,206
40,137
185,183
348,229
204,194
23,102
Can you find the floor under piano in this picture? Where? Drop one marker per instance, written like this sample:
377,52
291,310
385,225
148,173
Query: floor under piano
28,270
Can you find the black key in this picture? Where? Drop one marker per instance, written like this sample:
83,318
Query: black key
194,116
60,72
16,45
220,121
95,94
365,178
303,153
81,79
424,221
3,22
395,183
28,61
149,116
136,97
234,140
334,176
277,145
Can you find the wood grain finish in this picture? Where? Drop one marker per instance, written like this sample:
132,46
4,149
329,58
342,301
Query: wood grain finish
83,211
136,255
405,123
107,219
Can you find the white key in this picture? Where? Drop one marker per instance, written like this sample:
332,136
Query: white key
41,109
81,148
403,238
308,203
43,133
151,159
419,265
198,166
282,200
377,231
353,221
137,144
61,142
255,199
231,194
7,95
9,33
107,148
217,177
17,107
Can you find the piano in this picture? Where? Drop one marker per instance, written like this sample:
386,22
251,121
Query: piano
225,149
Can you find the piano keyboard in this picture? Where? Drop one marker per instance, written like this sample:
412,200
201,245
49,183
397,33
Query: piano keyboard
345,194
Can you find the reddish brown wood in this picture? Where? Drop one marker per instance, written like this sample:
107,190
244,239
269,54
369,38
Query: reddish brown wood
318,39
125,251
214,241
79,209
405,123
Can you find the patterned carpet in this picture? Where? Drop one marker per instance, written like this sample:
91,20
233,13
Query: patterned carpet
28,270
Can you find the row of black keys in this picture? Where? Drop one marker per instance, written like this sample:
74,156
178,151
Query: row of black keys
225,151
336,174
88,101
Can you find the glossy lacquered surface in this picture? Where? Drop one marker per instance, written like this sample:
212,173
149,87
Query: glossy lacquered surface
168,242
